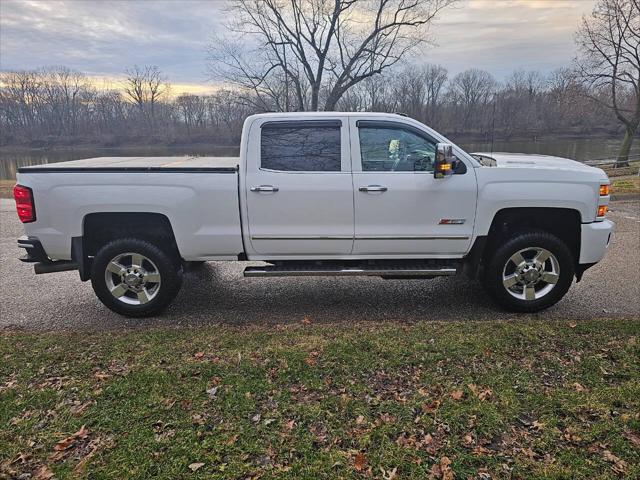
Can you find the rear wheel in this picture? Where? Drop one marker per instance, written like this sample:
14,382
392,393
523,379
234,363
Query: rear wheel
135,278
530,272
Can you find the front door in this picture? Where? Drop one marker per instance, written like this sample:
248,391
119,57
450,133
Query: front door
299,190
400,208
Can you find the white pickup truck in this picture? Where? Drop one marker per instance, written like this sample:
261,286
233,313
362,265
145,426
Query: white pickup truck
319,194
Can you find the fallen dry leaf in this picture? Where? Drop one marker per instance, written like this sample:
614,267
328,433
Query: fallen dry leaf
573,324
306,321
212,392
457,394
312,358
578,388
485,394
198,355
430,407
359,462
618,465
195,466
42,473
442,469
92,449
536,425
632,437
197,419
389,474
61,449
77,410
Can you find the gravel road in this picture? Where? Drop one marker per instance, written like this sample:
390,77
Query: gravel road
218,293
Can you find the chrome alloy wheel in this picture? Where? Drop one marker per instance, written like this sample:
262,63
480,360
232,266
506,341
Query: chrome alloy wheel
531,273
132,278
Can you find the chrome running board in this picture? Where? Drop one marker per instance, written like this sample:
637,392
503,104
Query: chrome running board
388,271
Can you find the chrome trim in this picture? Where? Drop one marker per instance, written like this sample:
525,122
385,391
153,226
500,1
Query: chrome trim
302,237
363,237
347,272
413,237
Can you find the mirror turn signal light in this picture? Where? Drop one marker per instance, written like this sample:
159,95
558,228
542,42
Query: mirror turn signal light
604,190
602,210
443,167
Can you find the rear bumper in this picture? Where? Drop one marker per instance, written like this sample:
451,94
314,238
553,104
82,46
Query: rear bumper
34,251
36,254
594,240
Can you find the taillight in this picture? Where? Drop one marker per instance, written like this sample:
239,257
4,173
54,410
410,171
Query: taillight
604,190
24,204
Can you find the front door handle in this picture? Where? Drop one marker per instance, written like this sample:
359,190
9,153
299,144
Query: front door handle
264,188
373,188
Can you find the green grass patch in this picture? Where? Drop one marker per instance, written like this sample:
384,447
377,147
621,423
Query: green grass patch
630,184
383,400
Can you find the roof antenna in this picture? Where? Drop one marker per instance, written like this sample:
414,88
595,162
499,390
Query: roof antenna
493,123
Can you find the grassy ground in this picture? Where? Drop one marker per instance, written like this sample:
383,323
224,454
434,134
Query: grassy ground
431,400
626,185
6,188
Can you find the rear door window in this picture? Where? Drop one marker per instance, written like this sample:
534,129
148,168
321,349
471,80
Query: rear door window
301,146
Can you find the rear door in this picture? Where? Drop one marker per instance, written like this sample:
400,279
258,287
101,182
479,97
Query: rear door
400,208
299,191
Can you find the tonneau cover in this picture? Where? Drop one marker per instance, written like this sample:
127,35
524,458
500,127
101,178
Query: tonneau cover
140,164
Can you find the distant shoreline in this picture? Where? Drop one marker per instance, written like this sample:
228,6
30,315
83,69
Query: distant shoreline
204,146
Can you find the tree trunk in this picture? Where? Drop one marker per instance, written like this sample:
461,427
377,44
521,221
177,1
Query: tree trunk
315,96
332,101
623,155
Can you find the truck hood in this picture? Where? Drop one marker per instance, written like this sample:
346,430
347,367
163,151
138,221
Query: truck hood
525,160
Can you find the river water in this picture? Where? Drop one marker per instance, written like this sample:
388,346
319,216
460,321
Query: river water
578,149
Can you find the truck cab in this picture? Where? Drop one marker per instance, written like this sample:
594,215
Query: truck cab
320,193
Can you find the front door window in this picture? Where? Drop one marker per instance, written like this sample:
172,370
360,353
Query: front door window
392,149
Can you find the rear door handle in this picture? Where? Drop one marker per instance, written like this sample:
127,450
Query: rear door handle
373,188
264,188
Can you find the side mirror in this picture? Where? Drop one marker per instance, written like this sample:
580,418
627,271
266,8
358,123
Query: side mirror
444,159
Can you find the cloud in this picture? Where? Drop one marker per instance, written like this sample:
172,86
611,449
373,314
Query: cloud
503,35
105,37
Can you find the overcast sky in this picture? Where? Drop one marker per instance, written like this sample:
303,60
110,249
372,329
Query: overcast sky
103,37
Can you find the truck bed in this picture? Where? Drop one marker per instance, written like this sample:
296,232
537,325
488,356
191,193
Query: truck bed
140,164
197,195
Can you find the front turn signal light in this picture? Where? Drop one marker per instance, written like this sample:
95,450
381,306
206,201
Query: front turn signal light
604,190
602,210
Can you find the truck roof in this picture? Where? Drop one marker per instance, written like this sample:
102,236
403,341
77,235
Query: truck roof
139,164
324,114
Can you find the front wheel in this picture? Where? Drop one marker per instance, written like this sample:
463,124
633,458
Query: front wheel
530,272
135,278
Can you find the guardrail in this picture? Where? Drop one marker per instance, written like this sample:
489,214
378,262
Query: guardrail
611,162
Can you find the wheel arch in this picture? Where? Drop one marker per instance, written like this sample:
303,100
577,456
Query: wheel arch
565,223
100,228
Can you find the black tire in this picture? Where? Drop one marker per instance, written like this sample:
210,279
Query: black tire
165,291
493,274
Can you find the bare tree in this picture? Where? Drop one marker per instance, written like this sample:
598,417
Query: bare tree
317,49
609,60
471,90
144,86
49,106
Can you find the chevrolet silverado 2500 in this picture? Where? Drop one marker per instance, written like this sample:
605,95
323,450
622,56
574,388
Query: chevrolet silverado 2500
319,194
